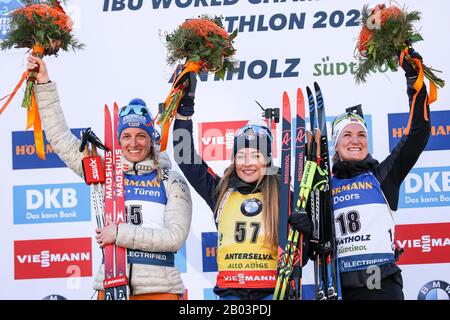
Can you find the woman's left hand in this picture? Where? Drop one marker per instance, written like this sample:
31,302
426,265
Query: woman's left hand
106,235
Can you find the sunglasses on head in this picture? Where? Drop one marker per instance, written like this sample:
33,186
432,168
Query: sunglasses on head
139,110
348,115
254,130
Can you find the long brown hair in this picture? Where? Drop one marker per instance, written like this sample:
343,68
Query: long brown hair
269,186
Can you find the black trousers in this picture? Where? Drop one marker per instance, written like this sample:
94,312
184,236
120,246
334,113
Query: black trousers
390,289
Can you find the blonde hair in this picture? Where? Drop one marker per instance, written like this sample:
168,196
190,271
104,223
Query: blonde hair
269,186
152,156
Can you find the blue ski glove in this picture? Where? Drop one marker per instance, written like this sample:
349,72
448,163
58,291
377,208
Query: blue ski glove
410,71
187,103
300,221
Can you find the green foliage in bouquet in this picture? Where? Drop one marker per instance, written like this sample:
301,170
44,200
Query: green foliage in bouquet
42,23
387,31
202,40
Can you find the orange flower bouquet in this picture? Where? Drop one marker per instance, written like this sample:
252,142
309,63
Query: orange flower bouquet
203,45
387,33
45,28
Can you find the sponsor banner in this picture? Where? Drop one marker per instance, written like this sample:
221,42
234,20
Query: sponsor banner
52,258
435,290
51,203
209,251
424,243
440,129
426,187
180,259
24,151
308,292
208,294
216,139
6,6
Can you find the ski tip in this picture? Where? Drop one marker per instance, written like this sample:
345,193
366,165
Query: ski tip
300,103
300,95
286,98
106,107
308,91
116,106
316,86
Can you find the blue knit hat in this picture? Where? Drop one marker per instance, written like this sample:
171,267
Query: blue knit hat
136,115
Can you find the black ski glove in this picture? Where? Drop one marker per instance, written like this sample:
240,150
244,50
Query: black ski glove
187,103
410,71
300,221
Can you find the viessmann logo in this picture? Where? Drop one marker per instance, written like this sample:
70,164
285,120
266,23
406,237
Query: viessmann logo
424,243
216,139
52,258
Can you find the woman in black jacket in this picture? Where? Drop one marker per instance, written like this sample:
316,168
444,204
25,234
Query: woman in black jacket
365,192
245,203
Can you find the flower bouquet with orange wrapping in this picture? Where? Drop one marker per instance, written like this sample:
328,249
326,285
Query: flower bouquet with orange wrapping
200,44
45,28
387,33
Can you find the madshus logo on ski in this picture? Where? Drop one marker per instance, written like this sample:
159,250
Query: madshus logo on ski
435,290
51,203
209,251
440,129
426,187
423,243
24,151
52,258
6,6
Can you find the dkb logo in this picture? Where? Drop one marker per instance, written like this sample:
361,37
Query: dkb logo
51,203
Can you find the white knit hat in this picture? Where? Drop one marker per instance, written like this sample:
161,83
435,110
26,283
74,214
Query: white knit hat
343,120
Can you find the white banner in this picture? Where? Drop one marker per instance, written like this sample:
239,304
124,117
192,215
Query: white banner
281,46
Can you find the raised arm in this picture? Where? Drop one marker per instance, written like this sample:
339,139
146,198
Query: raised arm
196,171
58,134
393,170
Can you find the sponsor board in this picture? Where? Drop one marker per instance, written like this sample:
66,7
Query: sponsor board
209,251
6,6
423,243
51,203
216,139
52,258
426,187
180,259
440,129
435,290
24,151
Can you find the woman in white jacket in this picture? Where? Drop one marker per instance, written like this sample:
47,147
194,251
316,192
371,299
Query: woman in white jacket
158,221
